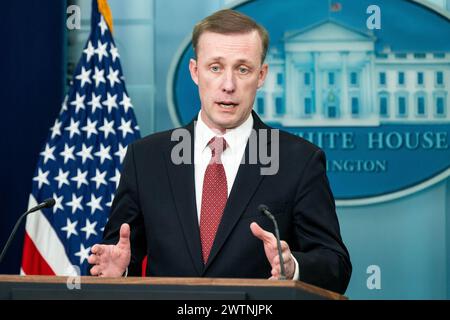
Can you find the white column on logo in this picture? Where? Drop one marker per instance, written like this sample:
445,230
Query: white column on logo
268,105
371,109
317,87
367,87
294,108
290,90
393,88
429,87
345,106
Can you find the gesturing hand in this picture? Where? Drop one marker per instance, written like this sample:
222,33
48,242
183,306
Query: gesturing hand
112,260
271,250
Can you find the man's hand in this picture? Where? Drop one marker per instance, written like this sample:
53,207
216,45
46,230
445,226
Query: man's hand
112,260
271,250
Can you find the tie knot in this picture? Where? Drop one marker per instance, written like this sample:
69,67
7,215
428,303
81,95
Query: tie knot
217,146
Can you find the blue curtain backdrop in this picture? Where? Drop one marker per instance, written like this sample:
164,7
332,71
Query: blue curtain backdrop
31,92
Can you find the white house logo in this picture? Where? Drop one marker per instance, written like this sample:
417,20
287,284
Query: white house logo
375,100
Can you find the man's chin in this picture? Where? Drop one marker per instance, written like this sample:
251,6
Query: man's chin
227,123
226,120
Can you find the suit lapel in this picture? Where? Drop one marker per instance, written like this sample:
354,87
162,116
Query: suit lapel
245,185
182,181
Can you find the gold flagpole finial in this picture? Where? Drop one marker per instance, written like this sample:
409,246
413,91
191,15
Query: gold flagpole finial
105,11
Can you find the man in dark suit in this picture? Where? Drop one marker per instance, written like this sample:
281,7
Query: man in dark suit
188,198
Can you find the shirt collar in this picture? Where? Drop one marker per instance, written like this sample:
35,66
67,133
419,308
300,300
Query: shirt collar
235,138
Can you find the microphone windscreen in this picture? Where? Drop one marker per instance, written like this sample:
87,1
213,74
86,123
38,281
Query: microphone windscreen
262,207
50,202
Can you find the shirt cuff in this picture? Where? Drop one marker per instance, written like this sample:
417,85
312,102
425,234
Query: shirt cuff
297,271
125,274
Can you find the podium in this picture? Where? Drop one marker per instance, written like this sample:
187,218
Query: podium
14,287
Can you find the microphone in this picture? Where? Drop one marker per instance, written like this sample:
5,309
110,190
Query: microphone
46,204
263,208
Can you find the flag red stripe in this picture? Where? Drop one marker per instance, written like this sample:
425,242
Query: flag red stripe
32,261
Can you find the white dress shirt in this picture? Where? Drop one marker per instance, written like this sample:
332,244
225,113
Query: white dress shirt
236,139
231,157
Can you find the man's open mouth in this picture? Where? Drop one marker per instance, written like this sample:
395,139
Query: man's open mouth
227,104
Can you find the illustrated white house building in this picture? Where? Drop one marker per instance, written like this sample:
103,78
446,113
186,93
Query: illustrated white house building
331,75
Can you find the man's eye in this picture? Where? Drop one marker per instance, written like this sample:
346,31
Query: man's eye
215,69
243,70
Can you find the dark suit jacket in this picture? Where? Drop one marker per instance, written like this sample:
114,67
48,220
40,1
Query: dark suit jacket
157,198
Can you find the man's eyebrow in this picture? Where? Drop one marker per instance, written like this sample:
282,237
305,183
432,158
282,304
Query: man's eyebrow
245,61
219,58
239,61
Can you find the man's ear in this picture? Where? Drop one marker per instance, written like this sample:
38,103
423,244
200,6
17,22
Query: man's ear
262,74
194,70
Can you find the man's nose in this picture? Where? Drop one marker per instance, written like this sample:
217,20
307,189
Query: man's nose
229,82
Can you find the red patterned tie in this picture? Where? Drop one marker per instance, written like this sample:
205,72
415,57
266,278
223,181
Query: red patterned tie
214,196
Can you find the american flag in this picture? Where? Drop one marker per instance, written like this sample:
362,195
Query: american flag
80,163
